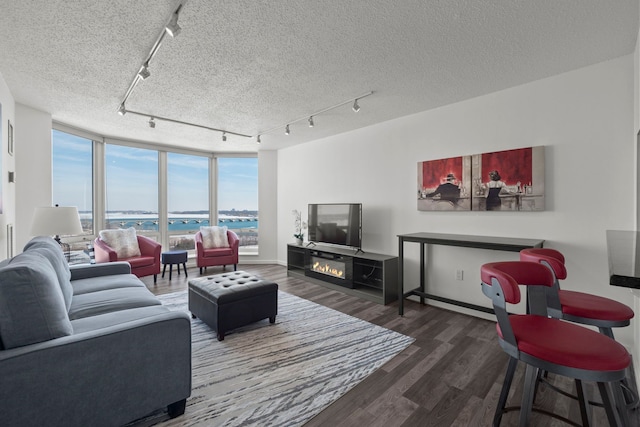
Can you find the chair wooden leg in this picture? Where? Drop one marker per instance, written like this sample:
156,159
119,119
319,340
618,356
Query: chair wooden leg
155,278
527,395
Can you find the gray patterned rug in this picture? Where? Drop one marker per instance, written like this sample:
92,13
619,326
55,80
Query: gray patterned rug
281,374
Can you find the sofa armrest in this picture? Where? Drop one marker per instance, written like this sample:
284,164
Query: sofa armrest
84,271
107,376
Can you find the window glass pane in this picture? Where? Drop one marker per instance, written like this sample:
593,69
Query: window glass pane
238,198
132,188
188,198
72,179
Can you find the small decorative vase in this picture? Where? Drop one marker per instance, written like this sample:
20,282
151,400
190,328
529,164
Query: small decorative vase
299,242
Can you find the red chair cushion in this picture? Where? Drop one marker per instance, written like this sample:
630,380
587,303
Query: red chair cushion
215,252
141,261
567,344
590,306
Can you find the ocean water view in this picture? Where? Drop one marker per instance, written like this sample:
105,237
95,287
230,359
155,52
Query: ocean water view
182,226
177,222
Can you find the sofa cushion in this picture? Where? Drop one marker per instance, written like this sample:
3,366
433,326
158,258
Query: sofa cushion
214,237
101,283
53,252
32,308
92,323
109,301
123,241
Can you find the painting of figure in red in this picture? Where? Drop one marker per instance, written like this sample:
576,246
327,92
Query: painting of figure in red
443,184
510,180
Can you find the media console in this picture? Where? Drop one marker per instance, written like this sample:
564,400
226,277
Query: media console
367,275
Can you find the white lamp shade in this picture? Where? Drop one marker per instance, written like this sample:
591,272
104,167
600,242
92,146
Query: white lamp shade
56,220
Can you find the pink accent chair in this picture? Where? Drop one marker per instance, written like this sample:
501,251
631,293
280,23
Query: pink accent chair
146,264
217,256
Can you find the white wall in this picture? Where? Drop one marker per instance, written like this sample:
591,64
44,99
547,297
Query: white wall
585,120
33,168
8,214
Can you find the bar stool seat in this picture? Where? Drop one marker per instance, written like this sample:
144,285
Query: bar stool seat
562,343
581,305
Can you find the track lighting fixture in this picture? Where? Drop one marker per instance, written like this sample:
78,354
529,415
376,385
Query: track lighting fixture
224,137
154,118
152,124
309,118
144,71
258,139
172,27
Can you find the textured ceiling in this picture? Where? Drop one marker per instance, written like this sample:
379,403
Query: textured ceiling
248,66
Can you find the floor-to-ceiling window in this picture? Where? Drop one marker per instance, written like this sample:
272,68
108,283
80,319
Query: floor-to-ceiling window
187,198
166,195
131,189
238,199
72,180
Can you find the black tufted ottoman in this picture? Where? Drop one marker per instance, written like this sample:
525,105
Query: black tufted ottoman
230,300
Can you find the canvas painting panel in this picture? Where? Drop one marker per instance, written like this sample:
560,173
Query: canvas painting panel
511,180
443,184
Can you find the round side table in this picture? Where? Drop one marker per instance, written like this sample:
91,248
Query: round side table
174,257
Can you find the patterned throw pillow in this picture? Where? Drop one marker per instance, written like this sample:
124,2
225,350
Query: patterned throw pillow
124,242
214,237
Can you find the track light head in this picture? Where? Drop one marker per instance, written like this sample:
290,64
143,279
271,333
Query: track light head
356,107
122,111
144,72
172,27
258,139
286,130
224,137
152,124
311,124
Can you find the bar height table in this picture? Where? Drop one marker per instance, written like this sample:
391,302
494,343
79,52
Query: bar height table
468,241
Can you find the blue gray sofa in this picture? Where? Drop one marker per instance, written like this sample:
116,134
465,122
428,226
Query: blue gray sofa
88,345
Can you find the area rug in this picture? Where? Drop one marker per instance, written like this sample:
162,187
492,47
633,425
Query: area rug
281,374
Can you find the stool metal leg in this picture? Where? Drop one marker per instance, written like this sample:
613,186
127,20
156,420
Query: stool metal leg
504,393
184,267
527,395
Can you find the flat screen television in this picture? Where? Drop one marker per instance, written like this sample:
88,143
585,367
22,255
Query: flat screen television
336,224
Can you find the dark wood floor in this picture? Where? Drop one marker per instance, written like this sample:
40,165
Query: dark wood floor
450,376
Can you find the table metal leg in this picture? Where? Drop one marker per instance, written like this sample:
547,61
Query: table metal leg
400,276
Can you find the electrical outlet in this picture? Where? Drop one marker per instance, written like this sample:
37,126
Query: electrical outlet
459,274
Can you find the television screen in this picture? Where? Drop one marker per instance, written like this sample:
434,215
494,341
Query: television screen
336,223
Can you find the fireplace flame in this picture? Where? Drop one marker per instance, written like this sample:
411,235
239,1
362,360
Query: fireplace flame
327,269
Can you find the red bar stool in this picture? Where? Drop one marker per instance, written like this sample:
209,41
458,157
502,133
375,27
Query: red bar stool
580,307
552,345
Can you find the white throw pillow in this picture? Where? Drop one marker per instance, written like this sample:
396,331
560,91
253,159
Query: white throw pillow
124,242
214,237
